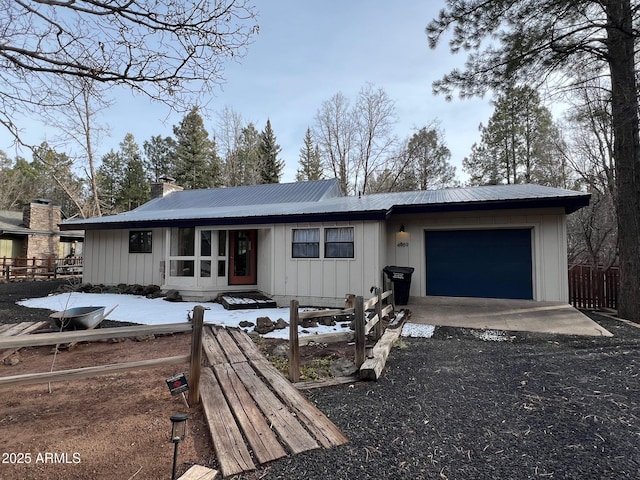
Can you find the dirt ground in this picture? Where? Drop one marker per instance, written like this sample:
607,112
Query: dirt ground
112,426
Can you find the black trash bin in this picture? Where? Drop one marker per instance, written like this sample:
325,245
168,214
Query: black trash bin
401,278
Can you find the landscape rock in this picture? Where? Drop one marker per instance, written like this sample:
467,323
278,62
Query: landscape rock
13,359
309,323
281,350
173,296
246,324
343,367
281,324
264,325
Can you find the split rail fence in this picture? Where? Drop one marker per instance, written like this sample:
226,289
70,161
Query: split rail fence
33,267
59,338
594,288
367,316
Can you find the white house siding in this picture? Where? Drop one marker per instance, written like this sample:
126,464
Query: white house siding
320,281
108,261
549,244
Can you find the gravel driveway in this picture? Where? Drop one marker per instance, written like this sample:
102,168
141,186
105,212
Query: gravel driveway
457,407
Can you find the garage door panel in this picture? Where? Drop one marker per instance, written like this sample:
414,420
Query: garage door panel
479,263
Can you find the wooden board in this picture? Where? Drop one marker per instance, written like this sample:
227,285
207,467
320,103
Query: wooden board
23,329
90,335
372,368
261,438
199,472
280,418
323,429
231,451
230,348
212,349
86,372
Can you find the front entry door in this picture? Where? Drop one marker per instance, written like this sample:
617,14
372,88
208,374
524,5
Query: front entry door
242,257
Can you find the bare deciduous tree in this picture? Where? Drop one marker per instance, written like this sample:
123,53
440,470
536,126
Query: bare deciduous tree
164,49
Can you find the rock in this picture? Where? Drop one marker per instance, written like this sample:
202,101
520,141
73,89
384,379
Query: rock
13,359
343,367
150,290
173,296
246,324
327,321
309,323
264,325
281,350
145,338
281,324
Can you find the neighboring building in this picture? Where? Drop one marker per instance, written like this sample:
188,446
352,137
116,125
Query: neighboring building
305,240
35,232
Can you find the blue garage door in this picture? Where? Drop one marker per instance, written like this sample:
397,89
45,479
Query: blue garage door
479,263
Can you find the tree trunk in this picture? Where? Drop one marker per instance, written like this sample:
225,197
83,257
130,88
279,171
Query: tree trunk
620,46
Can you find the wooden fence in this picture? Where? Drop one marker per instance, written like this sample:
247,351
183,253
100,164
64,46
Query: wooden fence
22,267
368,317
593,288
194,358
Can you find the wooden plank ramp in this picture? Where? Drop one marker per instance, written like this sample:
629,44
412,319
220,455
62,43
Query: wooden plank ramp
15,329
255,415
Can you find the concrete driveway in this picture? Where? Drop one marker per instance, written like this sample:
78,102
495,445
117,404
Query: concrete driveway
500,314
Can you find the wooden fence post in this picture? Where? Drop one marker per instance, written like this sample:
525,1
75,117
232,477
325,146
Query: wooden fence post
378,326
359,331
196,355
294,345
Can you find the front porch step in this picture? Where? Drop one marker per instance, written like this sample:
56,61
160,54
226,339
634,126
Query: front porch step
245,300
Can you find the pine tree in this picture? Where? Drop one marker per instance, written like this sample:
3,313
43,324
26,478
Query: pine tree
197,164
270,166
134,190
310,163
518,144
160,153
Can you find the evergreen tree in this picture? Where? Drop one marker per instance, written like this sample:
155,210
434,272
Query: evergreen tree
519,144
134,189
160,153
268,149
247,157
429,160
310,163
110,181
197,164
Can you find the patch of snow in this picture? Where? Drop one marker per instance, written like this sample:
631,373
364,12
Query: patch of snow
416,330
492,335
146,311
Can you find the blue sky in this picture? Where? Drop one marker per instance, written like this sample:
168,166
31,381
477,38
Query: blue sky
305,53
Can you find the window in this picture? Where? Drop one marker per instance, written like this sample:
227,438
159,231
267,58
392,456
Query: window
306,243
183,242
338,242
140,242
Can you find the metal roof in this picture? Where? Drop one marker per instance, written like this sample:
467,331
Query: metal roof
11,222
320,201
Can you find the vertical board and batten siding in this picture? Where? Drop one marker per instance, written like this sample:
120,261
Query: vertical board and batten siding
108,261
548,244
325,281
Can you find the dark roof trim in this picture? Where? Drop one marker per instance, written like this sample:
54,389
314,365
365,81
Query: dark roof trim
570,205
192,222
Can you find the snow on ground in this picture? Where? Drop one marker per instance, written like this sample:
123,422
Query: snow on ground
138,309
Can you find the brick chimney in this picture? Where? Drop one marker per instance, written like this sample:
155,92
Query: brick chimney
40,214
164,186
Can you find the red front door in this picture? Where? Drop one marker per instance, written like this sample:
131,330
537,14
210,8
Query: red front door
242,261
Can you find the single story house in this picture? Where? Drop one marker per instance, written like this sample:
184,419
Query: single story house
34,232
307,241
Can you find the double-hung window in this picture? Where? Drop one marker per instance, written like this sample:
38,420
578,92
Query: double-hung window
338,242
306,243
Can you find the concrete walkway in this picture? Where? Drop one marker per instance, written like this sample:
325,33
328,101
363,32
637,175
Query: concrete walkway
500,314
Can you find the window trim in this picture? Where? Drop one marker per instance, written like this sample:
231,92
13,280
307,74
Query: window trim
294,243
145,243
330,243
